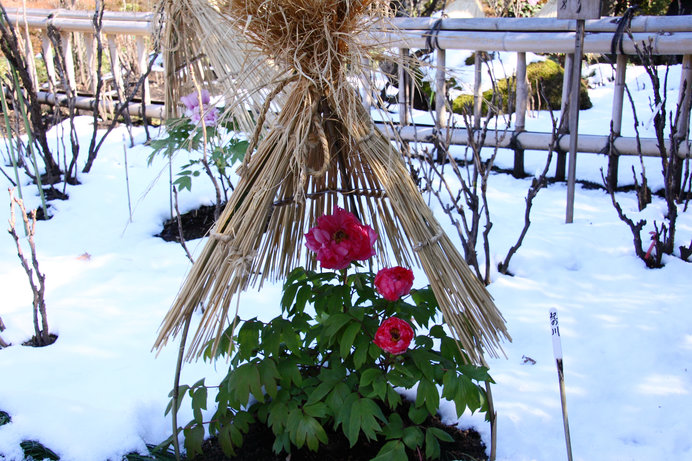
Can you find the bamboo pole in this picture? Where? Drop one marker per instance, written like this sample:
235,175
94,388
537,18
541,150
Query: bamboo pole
116,70
441,89
47,53
441,98
561,163
85,25
87,103
685,98
616,118
90,49
607,24
142,63
477,94
522,97
683,125
531,140
30,57
65,13
68,59
403,87
543,42
575,84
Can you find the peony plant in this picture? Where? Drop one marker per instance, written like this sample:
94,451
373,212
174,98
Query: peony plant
201,129
347,343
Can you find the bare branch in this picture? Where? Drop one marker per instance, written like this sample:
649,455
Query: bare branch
36,278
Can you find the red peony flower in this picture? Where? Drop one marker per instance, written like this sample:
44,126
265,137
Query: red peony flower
339,239
394,282
394,336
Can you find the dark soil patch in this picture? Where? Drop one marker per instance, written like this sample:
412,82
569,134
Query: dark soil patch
195,223
54,194
257,446
33,342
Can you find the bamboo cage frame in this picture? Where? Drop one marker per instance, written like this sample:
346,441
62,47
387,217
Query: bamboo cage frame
667,36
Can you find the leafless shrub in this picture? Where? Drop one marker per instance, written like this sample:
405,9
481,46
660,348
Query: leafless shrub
662,240
460,187
9,44
42,336
3,343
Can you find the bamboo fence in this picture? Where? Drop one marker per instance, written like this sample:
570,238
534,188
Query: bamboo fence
666,36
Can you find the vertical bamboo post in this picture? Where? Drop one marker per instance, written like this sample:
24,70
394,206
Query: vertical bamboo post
143,63
574,118
685,97
47,53
367,84
68,59
403,87
79,40
522,97
30,59
616,117
441,90
561,166
683,125
477,95
90,51
440,98
115,66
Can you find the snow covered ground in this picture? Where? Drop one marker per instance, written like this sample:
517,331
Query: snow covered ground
100,392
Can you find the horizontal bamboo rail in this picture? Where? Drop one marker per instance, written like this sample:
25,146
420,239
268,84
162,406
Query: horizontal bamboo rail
152,111
531,140
609,24
82,21
537,42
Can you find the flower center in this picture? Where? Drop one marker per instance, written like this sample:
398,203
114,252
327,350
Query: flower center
394,333
340,235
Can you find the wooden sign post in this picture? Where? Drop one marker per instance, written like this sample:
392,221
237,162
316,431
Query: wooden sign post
579,10
557,353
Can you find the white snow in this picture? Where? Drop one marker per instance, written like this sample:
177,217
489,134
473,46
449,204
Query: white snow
100,392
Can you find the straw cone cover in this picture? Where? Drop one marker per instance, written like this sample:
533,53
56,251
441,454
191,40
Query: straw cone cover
316,148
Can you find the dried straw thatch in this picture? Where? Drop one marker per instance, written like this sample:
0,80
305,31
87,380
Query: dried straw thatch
320,150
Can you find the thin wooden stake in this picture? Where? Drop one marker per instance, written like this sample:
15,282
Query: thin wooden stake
127,180
557,353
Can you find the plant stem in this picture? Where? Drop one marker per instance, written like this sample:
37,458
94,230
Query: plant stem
30,141
176,384
8,128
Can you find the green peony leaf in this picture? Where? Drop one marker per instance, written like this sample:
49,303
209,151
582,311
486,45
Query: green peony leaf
269,375
394,428
412,437
394,450
224,437
194,436
348,338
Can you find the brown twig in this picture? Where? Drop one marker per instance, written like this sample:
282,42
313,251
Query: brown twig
2,328
180,227
38,284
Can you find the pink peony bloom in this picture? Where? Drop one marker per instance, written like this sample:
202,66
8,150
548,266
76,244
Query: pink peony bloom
194,112
394,282
339,239
533,2
394,336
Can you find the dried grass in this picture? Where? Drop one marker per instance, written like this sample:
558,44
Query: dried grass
322,149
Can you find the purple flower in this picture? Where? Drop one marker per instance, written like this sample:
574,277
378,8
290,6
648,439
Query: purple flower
195,113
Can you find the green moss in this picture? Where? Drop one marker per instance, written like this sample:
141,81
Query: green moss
547,74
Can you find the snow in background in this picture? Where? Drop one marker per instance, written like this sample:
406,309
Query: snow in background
100,391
